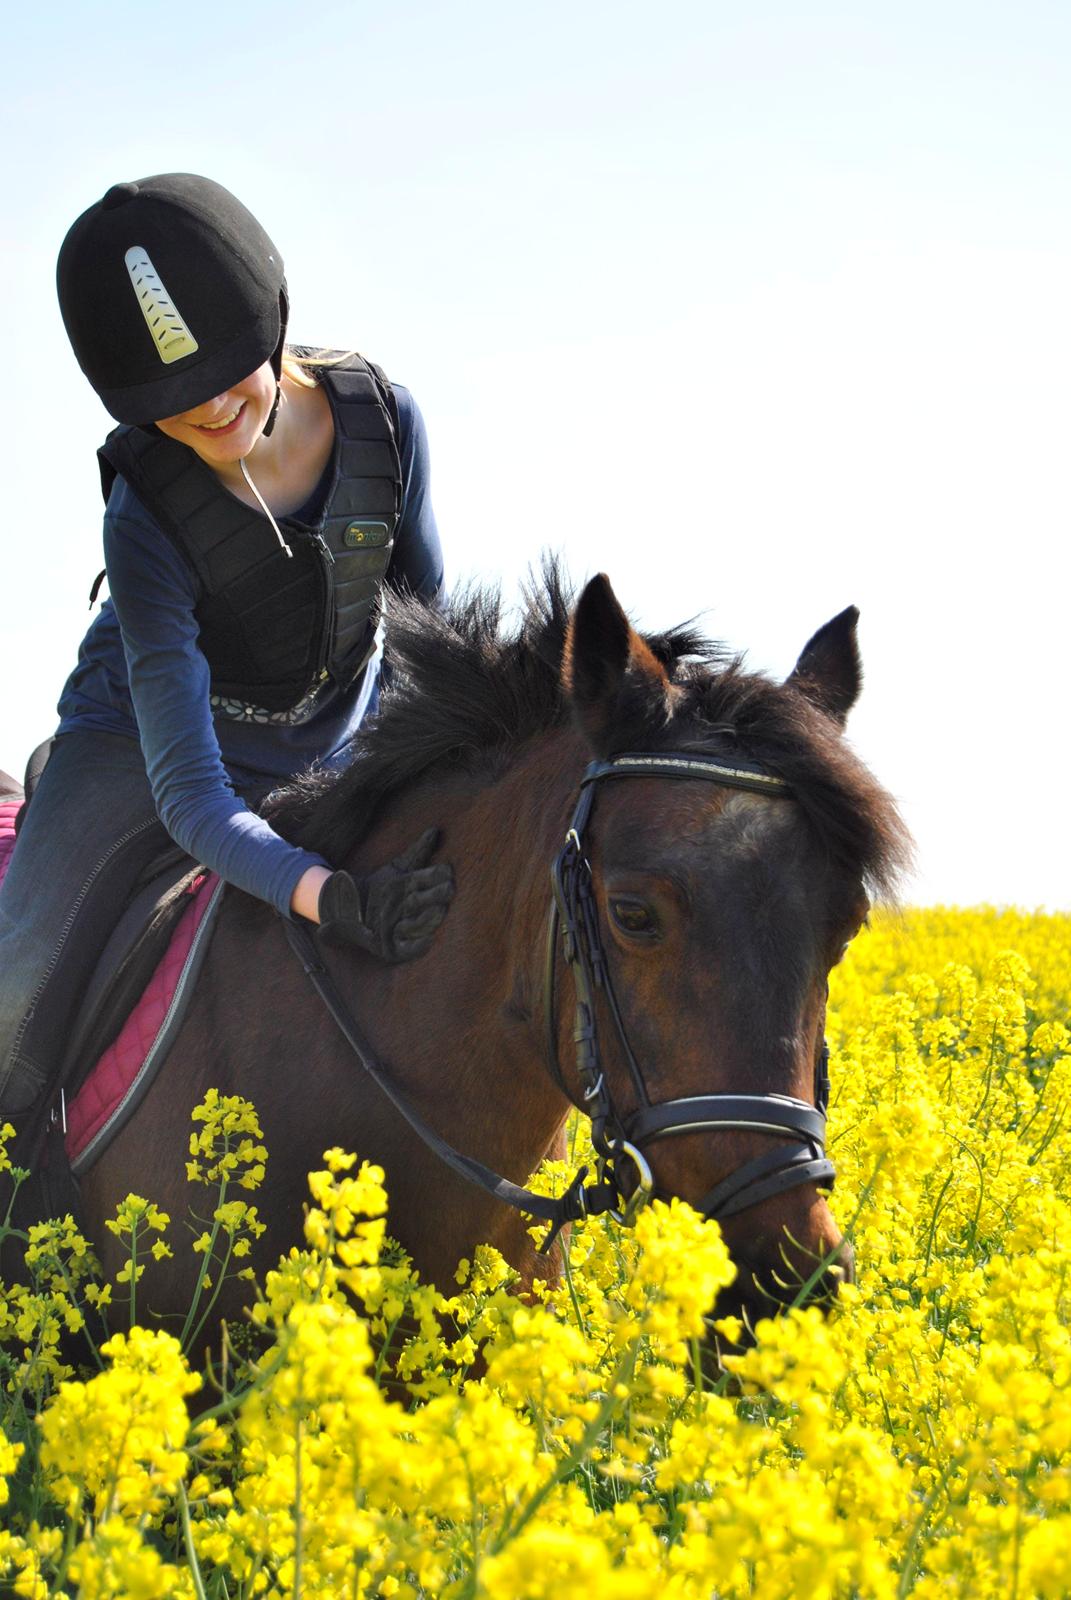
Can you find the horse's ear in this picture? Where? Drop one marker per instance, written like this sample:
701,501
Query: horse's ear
602,652
829,671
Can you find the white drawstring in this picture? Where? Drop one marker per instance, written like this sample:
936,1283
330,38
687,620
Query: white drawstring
264,506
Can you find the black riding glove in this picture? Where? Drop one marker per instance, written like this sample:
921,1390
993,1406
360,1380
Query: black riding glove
394,913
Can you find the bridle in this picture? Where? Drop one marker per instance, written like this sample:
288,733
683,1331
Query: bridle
617,1139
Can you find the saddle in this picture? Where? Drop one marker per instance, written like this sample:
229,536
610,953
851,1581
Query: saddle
128,1015
137,945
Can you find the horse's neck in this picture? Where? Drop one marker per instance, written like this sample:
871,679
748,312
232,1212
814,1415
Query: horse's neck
462,1028
473,1004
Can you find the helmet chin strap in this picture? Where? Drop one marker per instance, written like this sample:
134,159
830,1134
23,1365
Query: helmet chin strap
274,412
277,359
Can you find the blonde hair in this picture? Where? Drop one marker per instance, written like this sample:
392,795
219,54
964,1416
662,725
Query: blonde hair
297,369
302,369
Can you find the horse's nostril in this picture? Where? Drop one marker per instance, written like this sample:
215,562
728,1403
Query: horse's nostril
828,1286
839,1268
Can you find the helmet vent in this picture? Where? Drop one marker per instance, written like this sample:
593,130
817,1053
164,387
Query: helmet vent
172,339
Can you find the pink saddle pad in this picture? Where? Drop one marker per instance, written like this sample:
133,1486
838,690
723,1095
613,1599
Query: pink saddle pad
130,1062
9,810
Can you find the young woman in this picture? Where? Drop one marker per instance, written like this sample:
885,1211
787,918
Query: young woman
257,500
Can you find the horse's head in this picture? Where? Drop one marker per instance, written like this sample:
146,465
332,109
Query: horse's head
727,877
722,847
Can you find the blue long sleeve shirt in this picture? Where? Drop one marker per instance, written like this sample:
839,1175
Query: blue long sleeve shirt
141,673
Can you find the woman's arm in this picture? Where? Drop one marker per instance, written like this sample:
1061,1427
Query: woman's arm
154,595
416,564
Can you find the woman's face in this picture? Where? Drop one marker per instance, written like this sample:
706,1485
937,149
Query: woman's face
225,429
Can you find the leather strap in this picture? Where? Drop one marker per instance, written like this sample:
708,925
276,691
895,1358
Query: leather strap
577,1201
760,1113
774,1173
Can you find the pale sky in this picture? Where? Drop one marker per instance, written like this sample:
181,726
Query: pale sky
763,309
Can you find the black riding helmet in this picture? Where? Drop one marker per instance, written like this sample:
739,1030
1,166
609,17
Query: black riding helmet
171,292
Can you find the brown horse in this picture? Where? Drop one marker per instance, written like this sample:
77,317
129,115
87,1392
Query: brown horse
722,906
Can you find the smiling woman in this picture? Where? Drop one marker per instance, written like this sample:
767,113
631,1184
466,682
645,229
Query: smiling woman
246,553
230,428
226,428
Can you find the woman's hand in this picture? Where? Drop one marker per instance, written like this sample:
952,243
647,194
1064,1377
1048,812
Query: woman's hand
393,913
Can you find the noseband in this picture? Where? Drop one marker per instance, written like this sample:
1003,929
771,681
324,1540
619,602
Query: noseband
616,1140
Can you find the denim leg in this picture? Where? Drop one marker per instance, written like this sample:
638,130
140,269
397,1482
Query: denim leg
91,830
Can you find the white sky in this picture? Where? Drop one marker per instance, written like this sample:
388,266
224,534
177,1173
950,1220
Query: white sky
762,309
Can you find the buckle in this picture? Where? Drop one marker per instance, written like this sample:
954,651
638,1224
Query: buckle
644,1189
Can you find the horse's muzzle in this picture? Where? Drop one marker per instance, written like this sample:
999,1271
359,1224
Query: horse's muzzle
767,1287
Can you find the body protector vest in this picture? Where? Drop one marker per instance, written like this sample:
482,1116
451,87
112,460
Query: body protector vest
276,628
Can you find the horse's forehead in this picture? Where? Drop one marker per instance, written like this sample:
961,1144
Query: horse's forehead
754,827
739,843
710,822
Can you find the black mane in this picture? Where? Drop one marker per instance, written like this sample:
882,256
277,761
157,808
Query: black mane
467,691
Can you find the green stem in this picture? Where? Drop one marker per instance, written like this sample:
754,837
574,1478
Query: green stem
133,1272
622,1374
208,1257
910,1566
59,1574
803,1293
298,1530
19,1176
217,1286
187,1539
936,1213
237,1397
384,1349
568,1270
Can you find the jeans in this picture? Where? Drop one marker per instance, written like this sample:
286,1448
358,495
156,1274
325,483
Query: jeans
90,832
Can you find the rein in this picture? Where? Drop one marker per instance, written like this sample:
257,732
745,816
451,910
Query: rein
616,1140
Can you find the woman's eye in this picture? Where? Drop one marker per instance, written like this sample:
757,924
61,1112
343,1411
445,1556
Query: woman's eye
633,917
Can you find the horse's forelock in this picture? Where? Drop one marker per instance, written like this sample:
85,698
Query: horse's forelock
853,815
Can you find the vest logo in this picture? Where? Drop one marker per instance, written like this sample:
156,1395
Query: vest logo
171,337
366,536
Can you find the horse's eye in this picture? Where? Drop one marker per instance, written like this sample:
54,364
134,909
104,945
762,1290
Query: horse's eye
634,917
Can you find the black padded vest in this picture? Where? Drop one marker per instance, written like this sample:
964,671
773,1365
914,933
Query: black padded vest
274,628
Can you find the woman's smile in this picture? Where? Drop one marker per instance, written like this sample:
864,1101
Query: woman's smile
228,426
224,425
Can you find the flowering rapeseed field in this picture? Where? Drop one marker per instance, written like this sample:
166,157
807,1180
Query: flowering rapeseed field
918,1441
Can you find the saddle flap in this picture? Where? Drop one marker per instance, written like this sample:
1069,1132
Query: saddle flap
126,964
